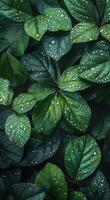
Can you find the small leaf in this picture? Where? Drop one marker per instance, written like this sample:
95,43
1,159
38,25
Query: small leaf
84,32
107,12
6,93
97,187
27,191
82,157
71,82
76,111
57,46
40,91
36,27
18,129
95,66
47,114
76,195
105,31
57,19
82,10
23,103
17,11
51,180
41,153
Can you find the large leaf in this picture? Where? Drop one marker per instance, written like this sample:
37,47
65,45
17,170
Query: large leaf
76,111
18,129
57,19
18,11
47,114
23,103
84,32
76,195
27,191
6,93
36,27
105,31
40,91
12,35
39,66
38,154
12,69
71,82
82,10
9,153
97,188
57,46
51,179
95,66
82,157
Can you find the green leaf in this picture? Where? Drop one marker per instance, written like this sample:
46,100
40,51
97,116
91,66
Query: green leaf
101,7
18,129
47,114
40,91
9,153
51,179
84,32
107,12
57,46
57,19
36,27
105,31
97,188
76,111
41,153
95,66
76,195
13,36
71,82
39,66
82,10
27,191
17,11
23,103
12,69
6,93
82,157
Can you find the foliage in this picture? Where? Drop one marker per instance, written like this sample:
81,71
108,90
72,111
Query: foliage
54,99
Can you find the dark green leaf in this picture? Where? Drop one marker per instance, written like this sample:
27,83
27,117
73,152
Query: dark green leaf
82,157
76,195
51,179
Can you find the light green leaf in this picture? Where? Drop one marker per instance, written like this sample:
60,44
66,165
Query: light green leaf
82,157
27,191
6,93
57,19
95,66
17,11
84,32
18,129
82,10
23,103
40,91
57,46
76,111
97,187
12,69
105,31
51,180
71,82
47,114
36,27
76,195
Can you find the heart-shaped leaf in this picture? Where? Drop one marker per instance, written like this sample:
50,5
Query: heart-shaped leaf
51,179
82,157
18,129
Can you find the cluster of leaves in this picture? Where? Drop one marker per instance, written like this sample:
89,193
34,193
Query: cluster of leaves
54,99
